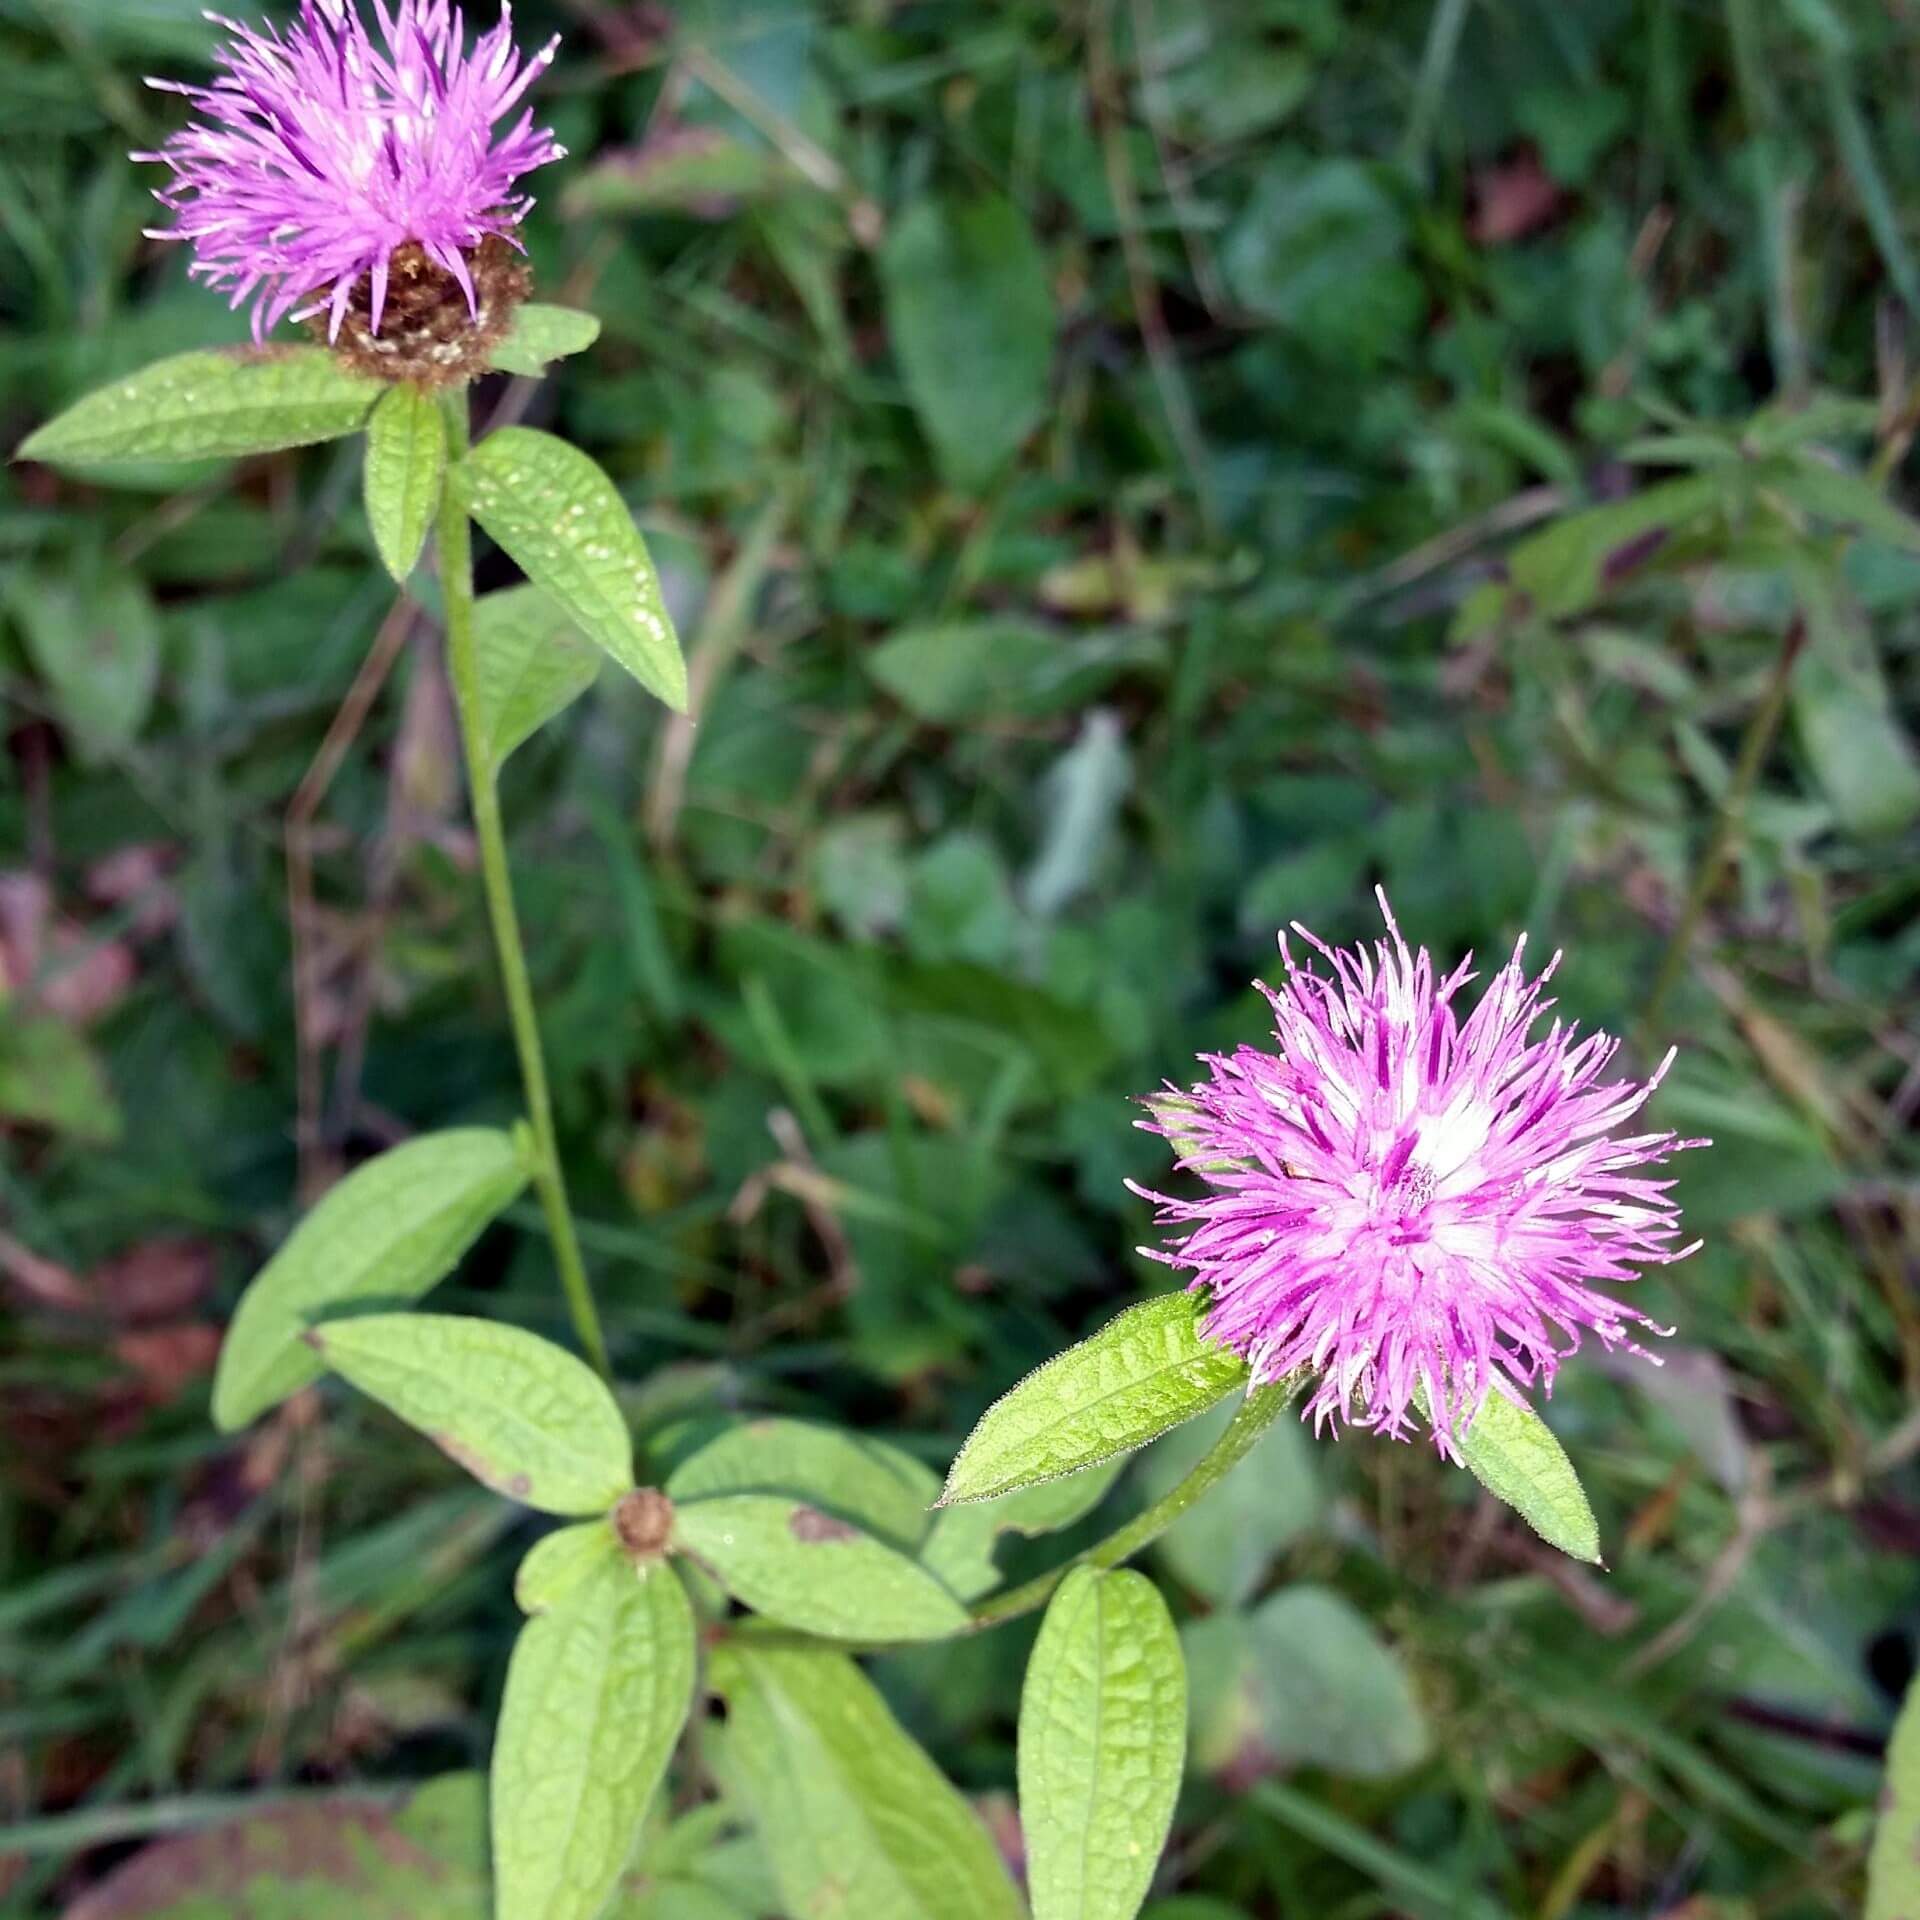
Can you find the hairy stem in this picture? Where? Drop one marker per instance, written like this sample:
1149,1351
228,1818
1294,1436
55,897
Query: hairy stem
1262,1406
1727,826
456,585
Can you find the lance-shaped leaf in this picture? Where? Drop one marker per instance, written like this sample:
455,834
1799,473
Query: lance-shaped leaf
211,405
406,466
856,1819
387,1232
1513,1453
531,664
560,1562
542,333
523,1416
597,1692
1139,1375
810,1569
553,509
1103,1738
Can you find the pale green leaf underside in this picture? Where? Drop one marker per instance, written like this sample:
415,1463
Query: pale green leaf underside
542,333
1893,1866
809,1569
556,1565
387,1232
531,665
406,465
523,1416
1140,1374
1103,1740
1514,1454
210,405
553,509
1302,1680
858,1822
597,1692
885,1492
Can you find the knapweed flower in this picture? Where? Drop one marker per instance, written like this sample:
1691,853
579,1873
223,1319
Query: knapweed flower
358,172
1416,1206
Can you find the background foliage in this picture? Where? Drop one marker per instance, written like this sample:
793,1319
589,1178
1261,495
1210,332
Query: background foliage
1130,474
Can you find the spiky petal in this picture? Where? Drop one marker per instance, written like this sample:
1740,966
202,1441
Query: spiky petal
320,150
1419,1208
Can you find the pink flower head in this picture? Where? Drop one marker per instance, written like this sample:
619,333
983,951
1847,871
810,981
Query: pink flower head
1414,1204
320,150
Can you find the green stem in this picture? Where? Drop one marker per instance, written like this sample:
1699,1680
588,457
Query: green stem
1754,747
456,586
1262,1406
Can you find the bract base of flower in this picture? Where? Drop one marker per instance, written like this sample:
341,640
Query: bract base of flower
324,148
428,335
1419,1207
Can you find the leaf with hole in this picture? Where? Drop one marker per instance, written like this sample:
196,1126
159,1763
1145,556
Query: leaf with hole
597,1692
1140,1374
387,1232
559,516
858,1822
808,1568
523,1416
530,664
1103,1739
406,467
210,405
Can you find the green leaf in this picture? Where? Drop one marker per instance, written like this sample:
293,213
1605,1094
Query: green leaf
970,311
970,669
1515,1455
859,1823
880,1489
1139,1375
556,1565
597,1692
810,1569
531,664
702,171
541,334
50,1077
387,1232
552,508
1303,1680
960,1549
1568,567
218,405
1224,1545
1103,1739
523,1416
1893,1866
341,1856
94,639
406,467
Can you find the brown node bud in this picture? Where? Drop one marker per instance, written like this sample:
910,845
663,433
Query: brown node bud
643,1522
428,334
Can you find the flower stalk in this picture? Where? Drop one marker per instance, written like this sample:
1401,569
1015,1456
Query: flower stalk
455,539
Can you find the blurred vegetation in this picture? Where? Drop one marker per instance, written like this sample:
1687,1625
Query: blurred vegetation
1131,474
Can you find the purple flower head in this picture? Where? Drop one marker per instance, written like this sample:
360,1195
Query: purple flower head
320,151
1413,1203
